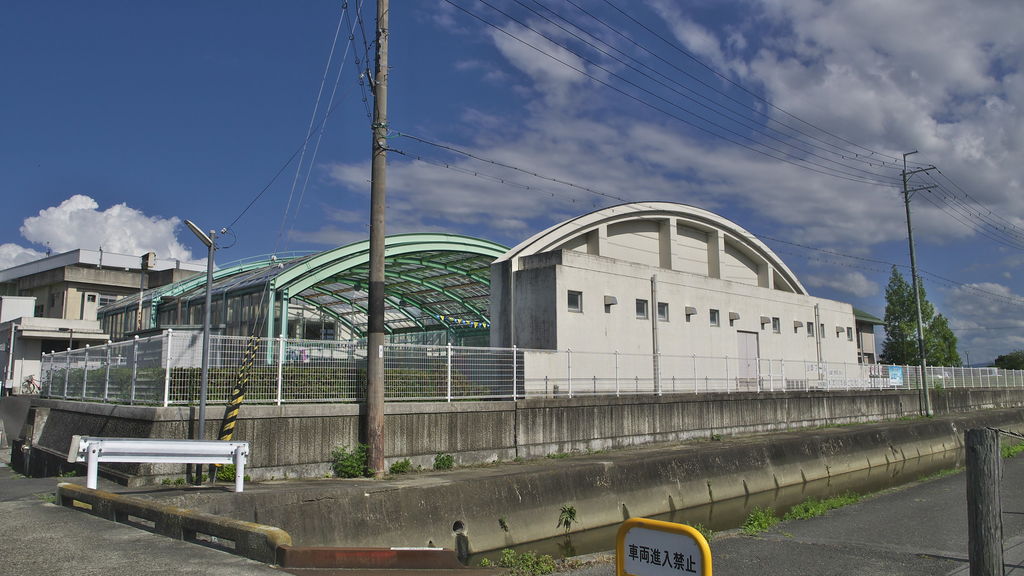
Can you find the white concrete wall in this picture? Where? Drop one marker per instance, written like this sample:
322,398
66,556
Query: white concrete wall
616,328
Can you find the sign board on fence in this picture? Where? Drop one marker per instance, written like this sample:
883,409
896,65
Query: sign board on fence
895,376
654,548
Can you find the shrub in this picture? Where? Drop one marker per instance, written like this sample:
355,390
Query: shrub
400,467
759,520
523,563
444,462
350,464
226,473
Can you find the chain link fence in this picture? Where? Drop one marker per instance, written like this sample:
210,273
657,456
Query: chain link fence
166,370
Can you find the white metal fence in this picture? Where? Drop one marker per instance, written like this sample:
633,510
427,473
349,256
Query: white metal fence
165,370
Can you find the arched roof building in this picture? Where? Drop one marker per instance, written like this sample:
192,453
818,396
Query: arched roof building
435,283
661,277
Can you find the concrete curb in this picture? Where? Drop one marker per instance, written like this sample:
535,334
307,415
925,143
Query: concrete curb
255,541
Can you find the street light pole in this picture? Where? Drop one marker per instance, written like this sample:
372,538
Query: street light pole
205,374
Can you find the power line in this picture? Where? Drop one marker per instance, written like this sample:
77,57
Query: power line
509,182
709,102
754,146
739,86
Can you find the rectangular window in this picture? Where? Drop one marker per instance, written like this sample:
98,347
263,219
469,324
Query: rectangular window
849,333
776,325
641,309
90,298
663,311
575,301
810,329
714,317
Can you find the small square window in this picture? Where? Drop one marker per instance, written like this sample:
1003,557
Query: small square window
663,311
776,325
90,298
714,318
810,329
641,309
575,301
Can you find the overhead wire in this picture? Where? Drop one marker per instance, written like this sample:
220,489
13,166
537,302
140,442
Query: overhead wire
312,121
753,146
689,55
322,130
710,104
861,262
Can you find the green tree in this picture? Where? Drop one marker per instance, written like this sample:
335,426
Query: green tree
900,345
1012,361
940,343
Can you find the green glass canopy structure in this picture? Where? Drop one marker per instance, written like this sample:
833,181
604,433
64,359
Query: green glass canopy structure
435,283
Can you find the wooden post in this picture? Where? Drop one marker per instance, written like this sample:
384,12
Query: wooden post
984,520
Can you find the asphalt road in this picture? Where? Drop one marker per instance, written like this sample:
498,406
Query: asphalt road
920,529
915,530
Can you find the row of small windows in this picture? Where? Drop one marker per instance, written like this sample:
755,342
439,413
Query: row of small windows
575,304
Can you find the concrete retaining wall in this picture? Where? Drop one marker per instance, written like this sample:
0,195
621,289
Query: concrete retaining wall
494,507
297,440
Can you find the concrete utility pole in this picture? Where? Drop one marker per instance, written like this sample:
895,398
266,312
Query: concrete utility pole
926,400
375,313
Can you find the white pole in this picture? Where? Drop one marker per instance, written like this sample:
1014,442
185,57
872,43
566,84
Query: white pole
448,372
92,463
239,458
167,368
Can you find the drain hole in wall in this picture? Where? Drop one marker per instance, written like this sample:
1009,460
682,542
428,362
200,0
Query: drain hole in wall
458,527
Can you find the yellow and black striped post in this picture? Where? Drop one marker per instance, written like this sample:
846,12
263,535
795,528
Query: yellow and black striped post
227,426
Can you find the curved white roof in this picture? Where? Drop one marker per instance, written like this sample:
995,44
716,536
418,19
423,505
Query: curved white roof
634,227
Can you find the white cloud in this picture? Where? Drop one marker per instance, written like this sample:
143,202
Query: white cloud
79,223
853,283
987,319
14,255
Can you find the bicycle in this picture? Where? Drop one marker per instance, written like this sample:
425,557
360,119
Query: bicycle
30,385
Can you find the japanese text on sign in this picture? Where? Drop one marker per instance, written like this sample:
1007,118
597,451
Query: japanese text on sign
653,548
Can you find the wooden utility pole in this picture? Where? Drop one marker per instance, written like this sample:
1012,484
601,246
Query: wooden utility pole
984,513
375,313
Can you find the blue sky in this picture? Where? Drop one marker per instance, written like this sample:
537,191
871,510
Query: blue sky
122,119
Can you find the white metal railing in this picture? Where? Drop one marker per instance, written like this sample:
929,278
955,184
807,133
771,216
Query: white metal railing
165,370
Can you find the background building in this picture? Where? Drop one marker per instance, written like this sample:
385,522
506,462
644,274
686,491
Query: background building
668,278
51,304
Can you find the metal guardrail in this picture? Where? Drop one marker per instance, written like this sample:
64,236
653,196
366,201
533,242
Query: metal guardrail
164,370
93,450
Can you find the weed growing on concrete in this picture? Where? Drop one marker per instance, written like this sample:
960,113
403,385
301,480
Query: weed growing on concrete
813,507
503,524
179,481
522,563
48,497
444,462
941,474
759,520
68,474
567,517
706,532
1012,450
350,464
400,467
